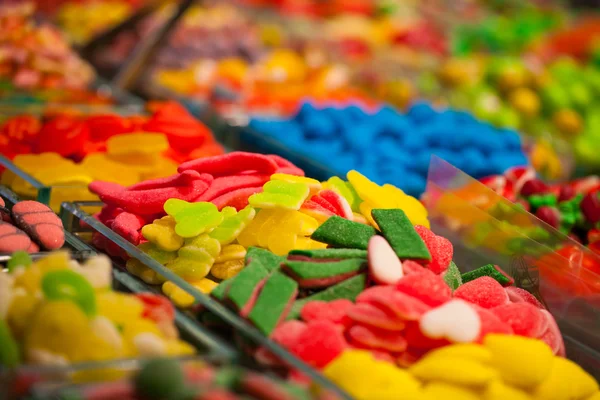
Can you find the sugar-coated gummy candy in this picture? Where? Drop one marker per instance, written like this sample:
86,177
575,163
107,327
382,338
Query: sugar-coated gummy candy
457,321
227,269
400,233
40,222
193,219
162,233
454,371
486,292
320,343
195,259
281,194
272,303
440,249
233,224
566,380
183,299
340,232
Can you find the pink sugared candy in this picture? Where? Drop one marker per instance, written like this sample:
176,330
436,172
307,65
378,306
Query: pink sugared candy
402,305
334,311
524,318
425,286
384,265
378,317
373,338
485,291
439,247
320,343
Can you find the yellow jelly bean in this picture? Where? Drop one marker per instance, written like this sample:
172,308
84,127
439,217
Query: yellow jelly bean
231,252
445,391
521,361
497,390
137,268
454,371
227,269
567,380
313,184
468,351
161,232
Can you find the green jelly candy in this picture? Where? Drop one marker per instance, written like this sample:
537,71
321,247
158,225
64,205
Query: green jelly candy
340,232
233,225
337,254
452,276
18,259
324,270
9,350
244,283
272,302
400,234
193,219
69,285
195,260
493,271
280,194
159,378
159,255
347,289
267,259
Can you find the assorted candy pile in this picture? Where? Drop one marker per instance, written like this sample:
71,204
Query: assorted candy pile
401,144
71,151
169,379
56,312
36,56
30,227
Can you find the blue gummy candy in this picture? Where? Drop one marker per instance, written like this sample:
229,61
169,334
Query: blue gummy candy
473,162
420,112
413,142
318,126
306,110
362,136
413,184
512,139
354,113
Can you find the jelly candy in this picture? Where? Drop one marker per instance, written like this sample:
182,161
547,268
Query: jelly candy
183,299
18,259
162,234
227,269
231,164
40,222
195,259
280,194
384,266
232,225
486,292
321,342
68,285
345,189
455,320
313,184
193,219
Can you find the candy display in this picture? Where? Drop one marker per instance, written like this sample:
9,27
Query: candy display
337,137
71,150
56,311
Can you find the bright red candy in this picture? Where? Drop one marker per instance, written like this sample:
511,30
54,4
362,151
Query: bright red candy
103,127
128,226
525,319
485,292
491,323
231,164
334,311
402,305
288,332
156,307
22,129
64,135
320,343
377,317
427,287
237,199
440,248
374,338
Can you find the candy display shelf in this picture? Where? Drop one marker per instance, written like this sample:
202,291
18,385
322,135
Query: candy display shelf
562,274
82,224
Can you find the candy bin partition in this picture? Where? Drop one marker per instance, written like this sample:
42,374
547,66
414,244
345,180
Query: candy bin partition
207,311
486,228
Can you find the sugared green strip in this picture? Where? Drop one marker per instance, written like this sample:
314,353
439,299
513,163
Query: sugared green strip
348,289
488,270
219,292
320,270
269,260
452,276
340,232
330,253
244,283
400,234
274,298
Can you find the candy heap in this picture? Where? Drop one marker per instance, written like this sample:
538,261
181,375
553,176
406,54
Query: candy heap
169,379
56,312
402,143
36,56
29,226
75,150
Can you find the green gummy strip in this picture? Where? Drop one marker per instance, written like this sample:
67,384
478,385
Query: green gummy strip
348,289
400,234
269,260
452,276
274,298
330,253
319,270
340,232
219,292
242,287
487,270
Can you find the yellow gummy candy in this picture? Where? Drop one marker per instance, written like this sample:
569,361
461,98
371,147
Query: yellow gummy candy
454,371
161,232
102,168
231,252
469,351
249,236
521,361
227,269
281,195
137,143
497,390
374,380
176,347
445,391
183,299
195,259
119,307
137,268
567,380
313,184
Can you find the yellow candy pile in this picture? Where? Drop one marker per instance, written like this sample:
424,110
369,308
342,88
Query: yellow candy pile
504,367
78,318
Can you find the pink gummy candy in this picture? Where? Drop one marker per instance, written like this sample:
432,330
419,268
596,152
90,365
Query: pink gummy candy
237,198
491,323
231,164
416,339
384,265
518,295
427,287
402,305
439,247
183,179
227,184
40,223
128,226
321,342
374,338
552,335
338,203
288,332
484,291
525,319
378,317
334,311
